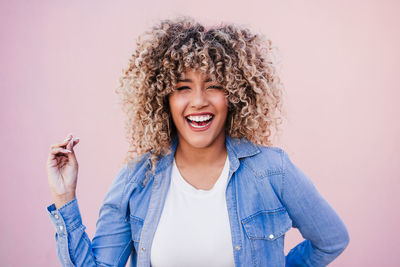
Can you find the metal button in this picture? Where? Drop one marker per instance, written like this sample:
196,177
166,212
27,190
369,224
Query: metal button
56,216
237,247
143,249
61,227
271,236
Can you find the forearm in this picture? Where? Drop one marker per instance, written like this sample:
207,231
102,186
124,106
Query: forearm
111,245
307,254
325,233
73,244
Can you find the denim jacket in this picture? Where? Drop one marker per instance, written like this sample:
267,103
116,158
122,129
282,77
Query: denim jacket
266,195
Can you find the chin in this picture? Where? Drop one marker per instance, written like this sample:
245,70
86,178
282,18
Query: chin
200,141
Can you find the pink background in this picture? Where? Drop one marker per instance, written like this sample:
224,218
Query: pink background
60,62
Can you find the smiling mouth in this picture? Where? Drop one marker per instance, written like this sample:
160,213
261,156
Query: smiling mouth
200,122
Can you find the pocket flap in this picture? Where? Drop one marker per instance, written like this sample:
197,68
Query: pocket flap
267,224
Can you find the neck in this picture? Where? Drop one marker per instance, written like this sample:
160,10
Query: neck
188,155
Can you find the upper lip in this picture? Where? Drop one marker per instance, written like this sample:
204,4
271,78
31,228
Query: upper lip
200,114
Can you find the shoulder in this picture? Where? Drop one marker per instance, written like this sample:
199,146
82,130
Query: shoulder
271,153
267,166
126,180
256,156
269,159
133,170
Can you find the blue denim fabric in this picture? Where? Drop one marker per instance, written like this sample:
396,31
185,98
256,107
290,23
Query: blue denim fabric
267,194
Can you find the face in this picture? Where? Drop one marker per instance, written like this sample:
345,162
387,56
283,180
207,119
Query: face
199,109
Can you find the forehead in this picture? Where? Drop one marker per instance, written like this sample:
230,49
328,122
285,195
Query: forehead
195,74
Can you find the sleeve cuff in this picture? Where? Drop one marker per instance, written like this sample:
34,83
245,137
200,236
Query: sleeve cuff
66,218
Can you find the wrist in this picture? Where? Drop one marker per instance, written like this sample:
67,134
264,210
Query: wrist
61,200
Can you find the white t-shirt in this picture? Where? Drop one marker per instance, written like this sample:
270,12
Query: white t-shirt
194,227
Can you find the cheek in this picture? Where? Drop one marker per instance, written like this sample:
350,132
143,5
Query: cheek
172,101
221,102
176,105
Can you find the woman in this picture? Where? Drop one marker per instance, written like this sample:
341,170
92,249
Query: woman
202,184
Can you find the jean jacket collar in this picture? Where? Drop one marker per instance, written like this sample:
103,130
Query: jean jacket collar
236,147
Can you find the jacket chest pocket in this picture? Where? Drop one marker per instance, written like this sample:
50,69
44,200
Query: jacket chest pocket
136,228
267,225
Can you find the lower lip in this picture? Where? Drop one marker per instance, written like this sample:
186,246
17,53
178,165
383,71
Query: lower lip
202,128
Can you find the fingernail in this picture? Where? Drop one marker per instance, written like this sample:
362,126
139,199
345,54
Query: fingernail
69,151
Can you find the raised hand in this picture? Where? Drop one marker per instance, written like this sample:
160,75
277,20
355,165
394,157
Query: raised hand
62,170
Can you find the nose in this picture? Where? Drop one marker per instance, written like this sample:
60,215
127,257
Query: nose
199,99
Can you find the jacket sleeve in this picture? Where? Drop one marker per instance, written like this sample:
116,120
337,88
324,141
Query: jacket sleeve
324,232
111,245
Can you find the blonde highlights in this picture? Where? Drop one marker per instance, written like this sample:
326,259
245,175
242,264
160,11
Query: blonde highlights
243,62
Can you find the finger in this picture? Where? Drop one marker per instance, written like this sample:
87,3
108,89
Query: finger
76,141
61,150
57,152
72,144
67,138
63,143
69,145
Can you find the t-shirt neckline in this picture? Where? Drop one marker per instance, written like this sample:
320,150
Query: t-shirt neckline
190,189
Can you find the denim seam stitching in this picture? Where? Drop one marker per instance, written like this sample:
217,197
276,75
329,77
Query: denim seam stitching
70,257
258,175
261,175
236,208
264,237
274,211
283,174
277,235
119,208
136,218
74,225
69,203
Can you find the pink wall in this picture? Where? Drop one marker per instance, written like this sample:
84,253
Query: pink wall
60,62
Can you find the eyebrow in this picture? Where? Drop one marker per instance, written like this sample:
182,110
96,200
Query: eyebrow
189,80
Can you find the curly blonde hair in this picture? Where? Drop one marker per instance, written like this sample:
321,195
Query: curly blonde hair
243,62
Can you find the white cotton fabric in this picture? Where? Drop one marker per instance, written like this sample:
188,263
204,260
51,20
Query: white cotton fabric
194,229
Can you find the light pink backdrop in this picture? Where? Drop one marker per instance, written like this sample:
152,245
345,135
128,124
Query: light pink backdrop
60,62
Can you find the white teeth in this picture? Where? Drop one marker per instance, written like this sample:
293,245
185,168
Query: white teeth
199,118
197,126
